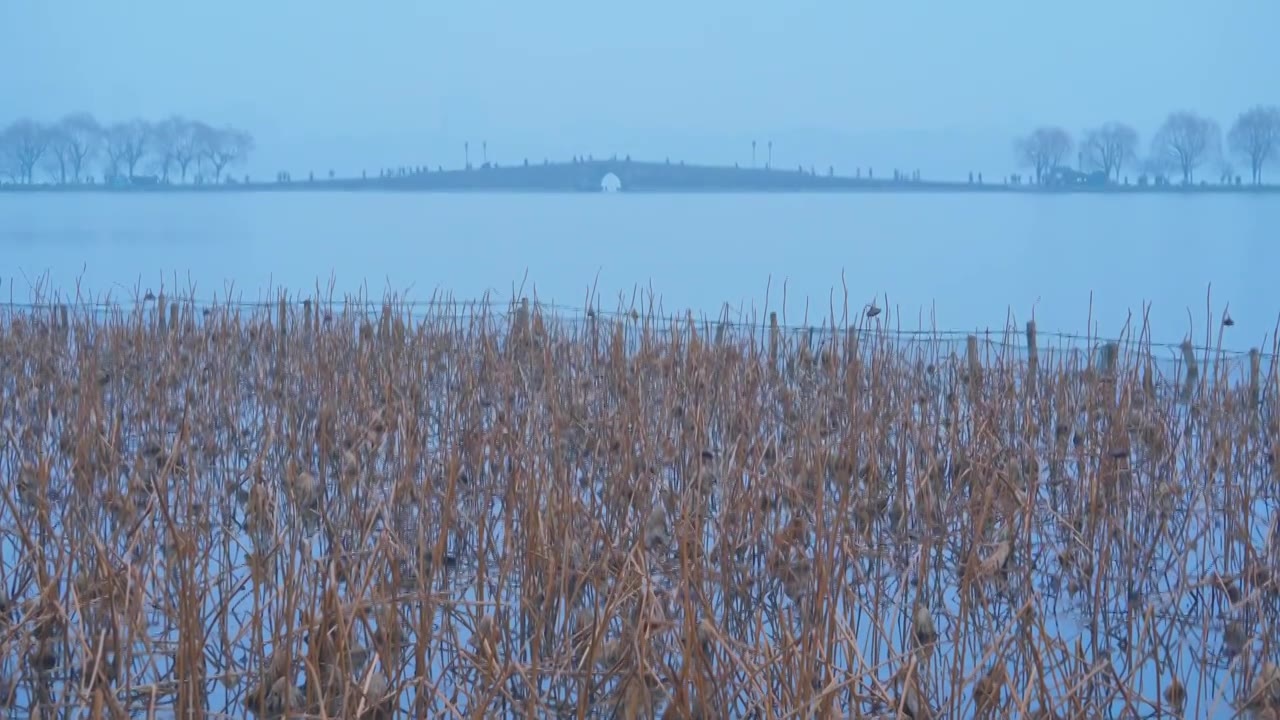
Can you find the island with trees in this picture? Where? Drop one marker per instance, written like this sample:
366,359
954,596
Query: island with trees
79,151
1181,149
1187,152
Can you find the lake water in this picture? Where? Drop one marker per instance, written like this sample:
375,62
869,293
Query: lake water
954,261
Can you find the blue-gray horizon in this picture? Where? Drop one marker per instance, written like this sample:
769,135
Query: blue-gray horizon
942,88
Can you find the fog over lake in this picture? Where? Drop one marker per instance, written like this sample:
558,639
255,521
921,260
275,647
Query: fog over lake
957,262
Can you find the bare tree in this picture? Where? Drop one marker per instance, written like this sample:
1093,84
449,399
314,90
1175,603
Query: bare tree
186,145
1188,141
1255,138
224,147
77,137
1043,150
162,140
1109,147
115,140
54,159
140,135
24,142
127,144
174,145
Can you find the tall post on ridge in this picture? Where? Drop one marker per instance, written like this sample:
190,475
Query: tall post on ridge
1033,355
975,363
1255,376
773,339
1193,369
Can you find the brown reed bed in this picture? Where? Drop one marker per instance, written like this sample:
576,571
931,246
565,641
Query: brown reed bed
314,510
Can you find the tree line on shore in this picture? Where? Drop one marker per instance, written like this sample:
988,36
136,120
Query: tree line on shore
178,150
1182,145
66,152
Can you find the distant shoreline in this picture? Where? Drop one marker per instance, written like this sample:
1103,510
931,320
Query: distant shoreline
935,188
629,176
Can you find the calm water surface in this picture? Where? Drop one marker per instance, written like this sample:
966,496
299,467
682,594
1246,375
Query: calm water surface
964,262
971,261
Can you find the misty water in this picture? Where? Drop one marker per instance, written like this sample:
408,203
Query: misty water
948,261
951,262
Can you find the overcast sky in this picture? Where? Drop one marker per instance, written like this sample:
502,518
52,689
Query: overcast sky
905,82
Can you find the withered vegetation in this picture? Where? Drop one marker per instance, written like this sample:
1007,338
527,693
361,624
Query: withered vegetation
318,510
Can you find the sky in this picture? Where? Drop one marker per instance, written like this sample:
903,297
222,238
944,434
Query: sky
939,86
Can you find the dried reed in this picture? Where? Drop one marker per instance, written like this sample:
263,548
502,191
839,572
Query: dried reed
309,509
